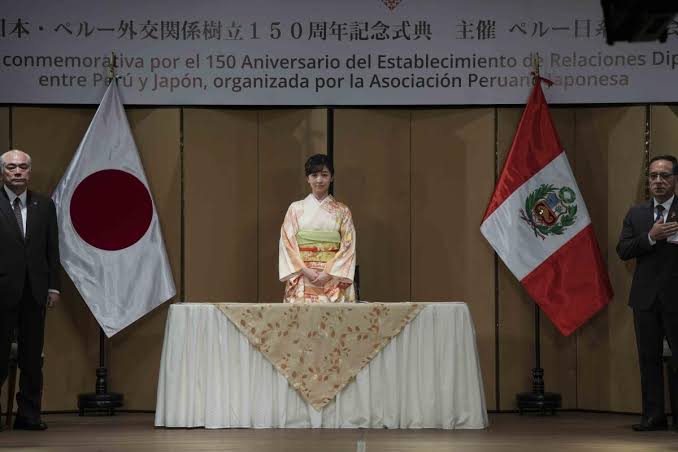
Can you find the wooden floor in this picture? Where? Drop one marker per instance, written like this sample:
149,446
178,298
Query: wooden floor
567,431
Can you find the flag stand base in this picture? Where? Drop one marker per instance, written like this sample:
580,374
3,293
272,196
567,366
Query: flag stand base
538,401
101,401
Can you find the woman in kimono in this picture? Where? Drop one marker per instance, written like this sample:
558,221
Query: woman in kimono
317,243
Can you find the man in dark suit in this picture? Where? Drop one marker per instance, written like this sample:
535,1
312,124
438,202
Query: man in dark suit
649,236
29,280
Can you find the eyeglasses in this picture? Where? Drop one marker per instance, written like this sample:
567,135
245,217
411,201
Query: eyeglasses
663,176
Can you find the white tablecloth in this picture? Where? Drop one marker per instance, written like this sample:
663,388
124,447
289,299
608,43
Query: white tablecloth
426,377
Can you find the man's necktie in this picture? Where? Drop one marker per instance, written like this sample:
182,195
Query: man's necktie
660,212
17,214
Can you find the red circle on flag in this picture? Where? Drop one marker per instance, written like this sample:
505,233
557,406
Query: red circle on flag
111,209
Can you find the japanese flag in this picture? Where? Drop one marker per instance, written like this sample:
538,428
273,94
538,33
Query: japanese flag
109,234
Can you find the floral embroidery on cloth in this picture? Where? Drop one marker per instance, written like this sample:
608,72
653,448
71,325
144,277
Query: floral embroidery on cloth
320,348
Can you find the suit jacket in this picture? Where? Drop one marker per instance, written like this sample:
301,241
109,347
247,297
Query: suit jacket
656,274
36,257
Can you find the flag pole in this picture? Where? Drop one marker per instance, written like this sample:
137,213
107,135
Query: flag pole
538,400
101,400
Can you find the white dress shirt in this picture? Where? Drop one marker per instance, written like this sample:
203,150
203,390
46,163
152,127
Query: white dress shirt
665,213
22,197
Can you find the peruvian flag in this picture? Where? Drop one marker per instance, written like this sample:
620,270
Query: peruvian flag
538,224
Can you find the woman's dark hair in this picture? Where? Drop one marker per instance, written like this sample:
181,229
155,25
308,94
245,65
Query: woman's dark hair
316,163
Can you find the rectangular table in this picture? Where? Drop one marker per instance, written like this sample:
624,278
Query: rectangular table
426,377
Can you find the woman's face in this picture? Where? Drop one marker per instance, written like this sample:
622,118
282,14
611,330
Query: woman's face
320,182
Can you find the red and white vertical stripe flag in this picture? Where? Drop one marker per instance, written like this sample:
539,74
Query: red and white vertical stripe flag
539,226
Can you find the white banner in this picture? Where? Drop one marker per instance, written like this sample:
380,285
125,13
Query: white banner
320,52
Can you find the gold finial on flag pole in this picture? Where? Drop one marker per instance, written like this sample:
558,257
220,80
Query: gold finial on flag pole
536,75
112,67
535,63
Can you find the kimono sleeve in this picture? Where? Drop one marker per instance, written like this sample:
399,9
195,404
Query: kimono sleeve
289,258
342,265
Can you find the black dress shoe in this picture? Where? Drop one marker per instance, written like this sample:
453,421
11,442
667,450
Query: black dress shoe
651,425
22,423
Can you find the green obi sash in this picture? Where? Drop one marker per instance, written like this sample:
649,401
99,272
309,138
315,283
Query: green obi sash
318,246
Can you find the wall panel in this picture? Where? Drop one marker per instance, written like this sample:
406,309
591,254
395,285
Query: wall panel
664,130
452,178
610,151
372,160
220,204
4,129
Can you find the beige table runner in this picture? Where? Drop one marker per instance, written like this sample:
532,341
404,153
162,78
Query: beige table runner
319,348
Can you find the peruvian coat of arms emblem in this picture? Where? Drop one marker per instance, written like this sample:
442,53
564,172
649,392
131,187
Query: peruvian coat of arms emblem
550,210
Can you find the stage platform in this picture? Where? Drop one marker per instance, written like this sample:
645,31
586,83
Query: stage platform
567,431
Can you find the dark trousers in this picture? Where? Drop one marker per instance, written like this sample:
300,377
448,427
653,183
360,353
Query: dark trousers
29,318
651,327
